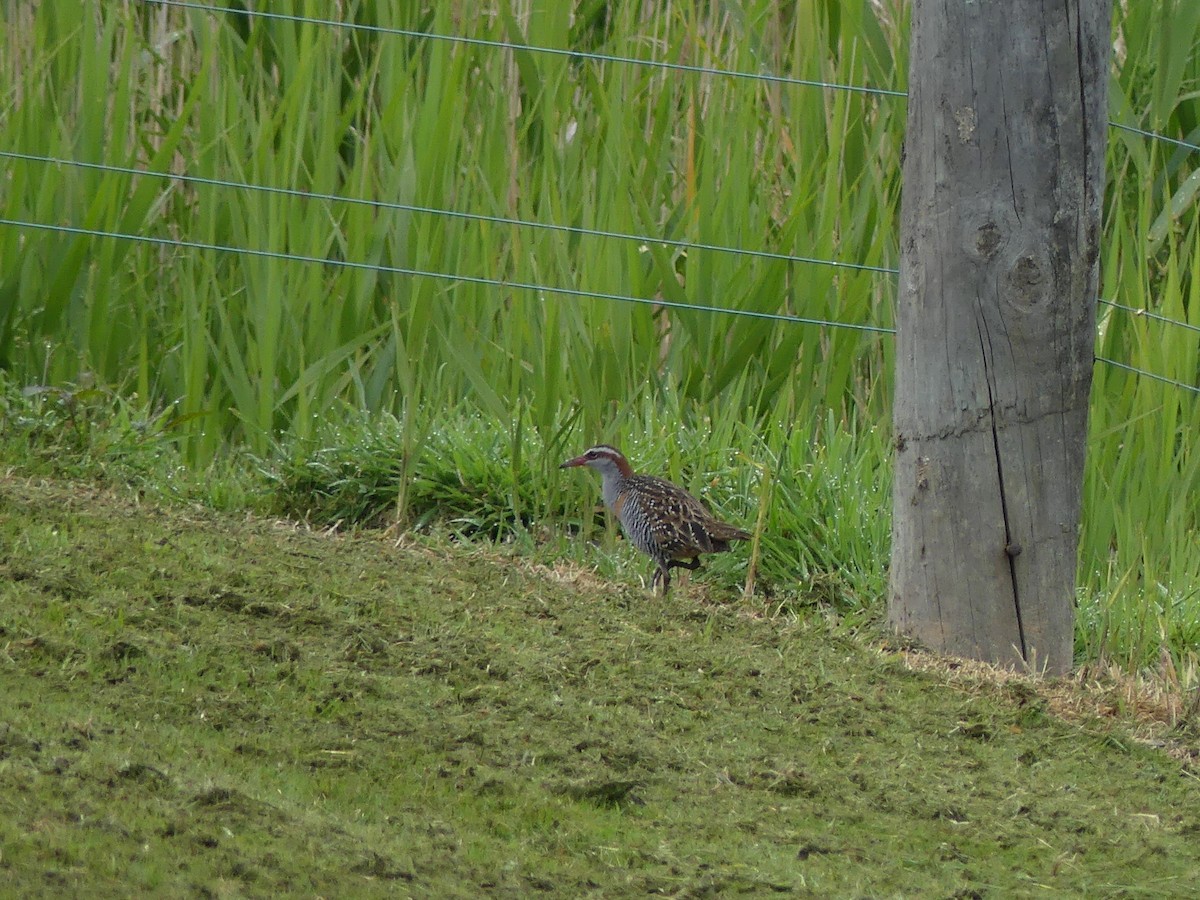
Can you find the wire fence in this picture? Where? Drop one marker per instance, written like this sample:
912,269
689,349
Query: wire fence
591,56
447,213
537,288
578,55
447,276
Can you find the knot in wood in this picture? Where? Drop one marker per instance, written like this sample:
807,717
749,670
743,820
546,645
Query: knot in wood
1026,280
987,240
1026,273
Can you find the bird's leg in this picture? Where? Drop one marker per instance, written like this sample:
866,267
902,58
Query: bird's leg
664,571
663,574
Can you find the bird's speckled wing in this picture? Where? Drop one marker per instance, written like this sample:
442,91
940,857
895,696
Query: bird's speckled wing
681,525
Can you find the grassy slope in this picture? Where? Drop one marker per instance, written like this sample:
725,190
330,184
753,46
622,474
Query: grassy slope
229,706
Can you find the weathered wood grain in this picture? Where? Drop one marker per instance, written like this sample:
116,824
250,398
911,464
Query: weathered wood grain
1000,232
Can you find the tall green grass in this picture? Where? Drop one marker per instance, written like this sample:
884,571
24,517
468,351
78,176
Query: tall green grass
263,345
1140,557
375,392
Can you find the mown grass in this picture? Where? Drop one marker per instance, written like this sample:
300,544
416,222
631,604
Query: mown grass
319,156
202,703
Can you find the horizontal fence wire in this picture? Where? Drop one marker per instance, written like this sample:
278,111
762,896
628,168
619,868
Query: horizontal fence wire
447,213
1152,375
590,55
1146,314
548,289
1141,132
530,48
530,286
445,276
521,223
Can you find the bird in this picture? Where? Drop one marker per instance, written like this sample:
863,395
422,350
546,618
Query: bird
660,518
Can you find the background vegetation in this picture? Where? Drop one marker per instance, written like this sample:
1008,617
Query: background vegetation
280,190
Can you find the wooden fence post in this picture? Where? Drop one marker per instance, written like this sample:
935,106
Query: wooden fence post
1000,242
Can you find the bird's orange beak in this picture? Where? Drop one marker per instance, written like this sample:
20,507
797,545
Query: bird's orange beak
576,461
